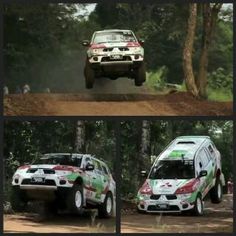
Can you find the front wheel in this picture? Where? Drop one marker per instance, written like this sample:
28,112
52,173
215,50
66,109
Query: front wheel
89,75
75,199
216,192
140,75
198,206
18,200
106,208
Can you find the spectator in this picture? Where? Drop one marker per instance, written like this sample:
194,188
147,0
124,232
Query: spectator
18,90
230,186
26,89
5,90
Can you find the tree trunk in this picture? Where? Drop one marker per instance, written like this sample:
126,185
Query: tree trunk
80,136
188,49
145,144
210,15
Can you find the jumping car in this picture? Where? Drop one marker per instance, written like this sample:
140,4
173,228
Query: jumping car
65,180
181,177
114,53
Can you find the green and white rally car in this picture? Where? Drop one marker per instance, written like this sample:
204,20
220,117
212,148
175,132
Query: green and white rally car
114,53
66,181
181,177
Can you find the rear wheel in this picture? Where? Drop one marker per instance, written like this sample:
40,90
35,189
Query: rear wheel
75,199
198,206
18,200
105,210
216,192
140,75
89,75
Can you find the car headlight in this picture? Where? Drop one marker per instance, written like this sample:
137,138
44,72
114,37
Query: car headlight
184,196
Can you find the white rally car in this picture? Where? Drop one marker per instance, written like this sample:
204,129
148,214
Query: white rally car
114,53
65,181
181,177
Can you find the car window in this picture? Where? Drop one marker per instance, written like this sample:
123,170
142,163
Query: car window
203,159
119,36
105,171
97,167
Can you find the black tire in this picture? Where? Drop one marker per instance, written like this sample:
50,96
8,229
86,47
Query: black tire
198,206
18,200
140,75
103,210
216,192
113,77
72,204
50,208
140,211
89,75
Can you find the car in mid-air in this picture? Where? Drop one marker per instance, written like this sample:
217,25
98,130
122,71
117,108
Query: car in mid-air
181,177
69,181
114,53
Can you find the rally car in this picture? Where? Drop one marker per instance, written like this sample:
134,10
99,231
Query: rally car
181,177
114,53
66,181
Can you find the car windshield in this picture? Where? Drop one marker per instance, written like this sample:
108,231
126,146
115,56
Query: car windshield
173,169
61,159
112,37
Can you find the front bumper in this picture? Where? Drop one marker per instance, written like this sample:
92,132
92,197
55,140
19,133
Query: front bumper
164,205
106,60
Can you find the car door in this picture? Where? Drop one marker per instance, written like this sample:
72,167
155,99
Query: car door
203,163
89,176
97,181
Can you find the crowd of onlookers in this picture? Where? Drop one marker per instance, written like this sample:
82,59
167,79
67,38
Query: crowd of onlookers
22,90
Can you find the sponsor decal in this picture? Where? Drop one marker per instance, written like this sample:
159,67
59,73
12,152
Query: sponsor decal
177,153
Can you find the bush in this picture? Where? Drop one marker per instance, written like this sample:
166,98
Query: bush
157,79
219,79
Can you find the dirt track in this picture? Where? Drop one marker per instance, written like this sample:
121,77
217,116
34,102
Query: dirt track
92,104
31,223
216,219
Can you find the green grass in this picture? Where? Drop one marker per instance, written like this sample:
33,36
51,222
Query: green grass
219,95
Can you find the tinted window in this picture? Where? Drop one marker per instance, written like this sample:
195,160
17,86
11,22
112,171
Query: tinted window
119,36
61,159
172,169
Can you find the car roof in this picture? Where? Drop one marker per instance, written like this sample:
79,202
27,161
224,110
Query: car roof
75,154
113,30
183,147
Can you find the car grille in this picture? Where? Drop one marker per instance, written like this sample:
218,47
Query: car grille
156,208
171,197
168,197
107,59
49,182
46,171
122,49
155,196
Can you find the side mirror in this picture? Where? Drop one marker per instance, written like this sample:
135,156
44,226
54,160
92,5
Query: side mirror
85,43
144,173
141,41
89,167
202,173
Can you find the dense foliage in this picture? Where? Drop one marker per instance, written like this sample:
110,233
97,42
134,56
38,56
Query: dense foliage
42,43
161,134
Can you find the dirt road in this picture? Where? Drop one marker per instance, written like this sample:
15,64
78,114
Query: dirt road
216,219
32,223
95,104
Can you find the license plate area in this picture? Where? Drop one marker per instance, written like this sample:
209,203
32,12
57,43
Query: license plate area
116,57
162,206
36,180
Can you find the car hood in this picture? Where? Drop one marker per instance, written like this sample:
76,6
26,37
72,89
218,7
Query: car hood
166,186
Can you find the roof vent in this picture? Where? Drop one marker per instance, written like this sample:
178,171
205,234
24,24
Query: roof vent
185,142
